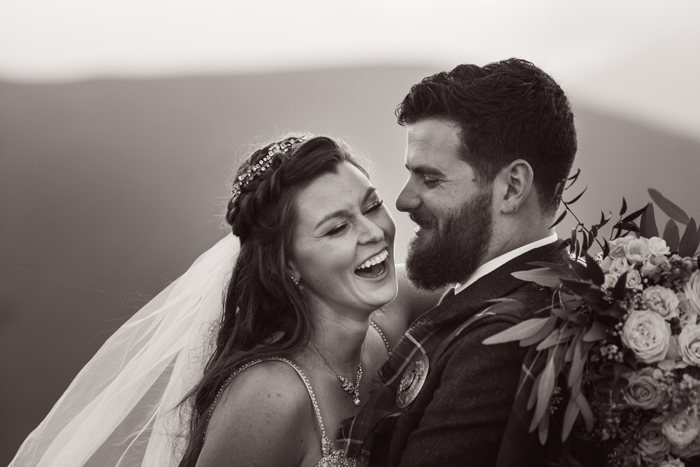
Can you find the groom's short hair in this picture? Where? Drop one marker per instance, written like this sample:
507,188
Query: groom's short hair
506,110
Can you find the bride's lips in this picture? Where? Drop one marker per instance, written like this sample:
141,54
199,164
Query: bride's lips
374,266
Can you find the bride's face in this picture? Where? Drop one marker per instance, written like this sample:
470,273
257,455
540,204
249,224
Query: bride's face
343,244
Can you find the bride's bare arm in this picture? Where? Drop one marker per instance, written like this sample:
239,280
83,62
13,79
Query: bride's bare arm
264,417
395,317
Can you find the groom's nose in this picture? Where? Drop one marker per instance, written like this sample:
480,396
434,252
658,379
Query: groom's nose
408,199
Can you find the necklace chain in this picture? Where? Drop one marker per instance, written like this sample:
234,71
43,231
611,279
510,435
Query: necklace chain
346,384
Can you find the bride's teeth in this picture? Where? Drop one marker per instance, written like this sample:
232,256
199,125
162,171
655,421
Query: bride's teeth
374,260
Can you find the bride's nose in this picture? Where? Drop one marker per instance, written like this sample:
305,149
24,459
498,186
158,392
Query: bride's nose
370,232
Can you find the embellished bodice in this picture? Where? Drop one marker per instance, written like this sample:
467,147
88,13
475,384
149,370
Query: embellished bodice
330,457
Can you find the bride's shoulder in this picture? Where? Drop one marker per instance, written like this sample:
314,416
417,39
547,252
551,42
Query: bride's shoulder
267,401
273,384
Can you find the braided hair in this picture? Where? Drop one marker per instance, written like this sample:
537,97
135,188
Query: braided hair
265,313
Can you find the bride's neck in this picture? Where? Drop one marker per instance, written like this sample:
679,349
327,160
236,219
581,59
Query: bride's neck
339,339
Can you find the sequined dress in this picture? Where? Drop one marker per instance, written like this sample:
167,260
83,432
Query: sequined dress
331,457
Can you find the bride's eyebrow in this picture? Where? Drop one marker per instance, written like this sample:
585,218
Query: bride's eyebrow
344,212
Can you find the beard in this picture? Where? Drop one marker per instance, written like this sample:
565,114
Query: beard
452,253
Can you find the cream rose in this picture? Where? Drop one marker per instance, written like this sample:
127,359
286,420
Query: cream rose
643,390
619,266
662,300
647,334
653,443
689,344
673,462
681,429
637,250
634,279
617,246
657,246
692,291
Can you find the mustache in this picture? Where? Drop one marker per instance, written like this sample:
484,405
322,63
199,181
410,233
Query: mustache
424,221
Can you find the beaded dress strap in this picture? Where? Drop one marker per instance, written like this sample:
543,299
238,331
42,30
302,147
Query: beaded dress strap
326,444
381,334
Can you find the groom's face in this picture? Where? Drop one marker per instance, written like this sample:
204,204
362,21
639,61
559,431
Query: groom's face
451,209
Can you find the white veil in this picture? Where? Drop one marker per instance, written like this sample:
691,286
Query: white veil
119,410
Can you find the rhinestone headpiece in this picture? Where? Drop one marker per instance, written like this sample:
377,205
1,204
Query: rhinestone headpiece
263,164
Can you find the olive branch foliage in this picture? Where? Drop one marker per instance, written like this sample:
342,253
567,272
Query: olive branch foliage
582,316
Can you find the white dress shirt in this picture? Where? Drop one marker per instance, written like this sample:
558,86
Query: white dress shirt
499,261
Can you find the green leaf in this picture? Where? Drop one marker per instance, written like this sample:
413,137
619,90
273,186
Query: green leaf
570,416
578,288
623,209
569,315
579,269
597,332
577,363
559,219
577,197
620,287
569,355
522,330
533,394
647,225
556,266
667,206
542,276
541,334
586,411
557,336
544,393
594,272
631,226
634,215
672,236
543,430
689,242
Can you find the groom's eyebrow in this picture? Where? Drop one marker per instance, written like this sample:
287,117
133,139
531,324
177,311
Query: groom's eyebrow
424,170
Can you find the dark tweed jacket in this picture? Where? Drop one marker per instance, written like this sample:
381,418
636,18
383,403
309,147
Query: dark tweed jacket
460,414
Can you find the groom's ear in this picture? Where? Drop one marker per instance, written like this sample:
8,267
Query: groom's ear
514,184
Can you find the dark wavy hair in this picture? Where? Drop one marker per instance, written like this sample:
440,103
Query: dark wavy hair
265,313
506,110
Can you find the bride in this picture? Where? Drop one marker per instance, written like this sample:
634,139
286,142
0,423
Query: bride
309,315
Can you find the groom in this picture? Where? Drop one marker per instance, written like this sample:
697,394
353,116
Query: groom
488,151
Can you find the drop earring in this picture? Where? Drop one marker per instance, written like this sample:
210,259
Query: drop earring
296,282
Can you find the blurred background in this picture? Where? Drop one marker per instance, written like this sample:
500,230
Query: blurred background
121,122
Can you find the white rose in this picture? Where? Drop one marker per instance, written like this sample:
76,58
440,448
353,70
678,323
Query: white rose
689,344
692,291
647,334
658,247
619,266
610,281
681,429
637,250
617,246
634,279
662,300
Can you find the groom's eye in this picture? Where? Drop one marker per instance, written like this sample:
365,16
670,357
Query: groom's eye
431,183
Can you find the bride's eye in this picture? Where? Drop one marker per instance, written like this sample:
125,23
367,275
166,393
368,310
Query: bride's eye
336,230
374,206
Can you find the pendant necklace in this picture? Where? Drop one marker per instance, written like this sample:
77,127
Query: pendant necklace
348,386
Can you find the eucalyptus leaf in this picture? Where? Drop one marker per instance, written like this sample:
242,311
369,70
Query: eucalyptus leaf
559,219
577,287
542,276
543,430
557,336
577,197
623,209
570,416
668,206
579,269
541,334
586,411
522,330
597,332
634,215
544,393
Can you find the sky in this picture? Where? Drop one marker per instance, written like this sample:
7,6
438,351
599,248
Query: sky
639,58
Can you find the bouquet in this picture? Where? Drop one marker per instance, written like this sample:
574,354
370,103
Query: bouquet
619,345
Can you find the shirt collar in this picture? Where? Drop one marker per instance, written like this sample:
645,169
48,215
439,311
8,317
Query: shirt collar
499,261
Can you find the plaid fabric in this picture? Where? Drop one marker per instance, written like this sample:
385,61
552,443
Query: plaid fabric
419,341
